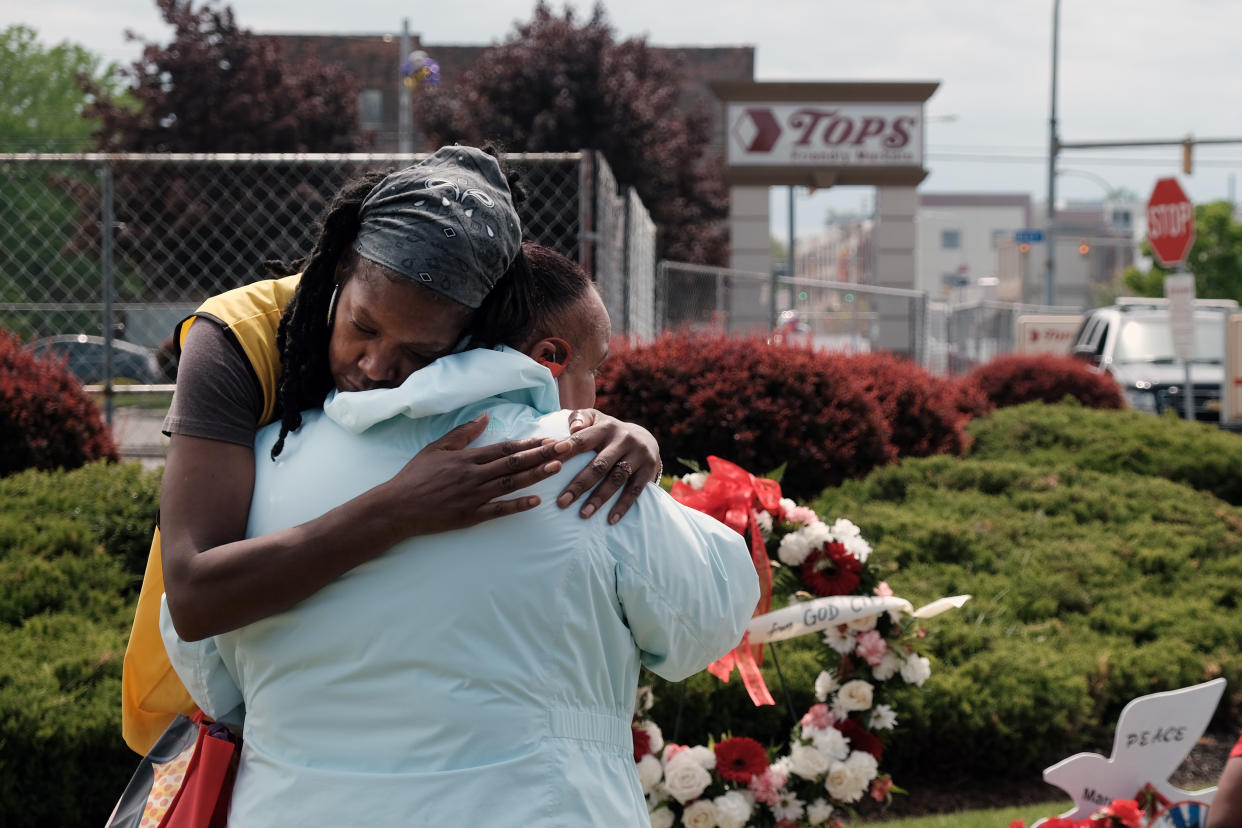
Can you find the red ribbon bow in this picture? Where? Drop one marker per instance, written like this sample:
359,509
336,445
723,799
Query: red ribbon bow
732,495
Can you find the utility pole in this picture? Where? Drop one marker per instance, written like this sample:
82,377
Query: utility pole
1054,147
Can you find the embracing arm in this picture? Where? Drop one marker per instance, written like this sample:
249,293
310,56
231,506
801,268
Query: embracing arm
216,579
685,582
627,458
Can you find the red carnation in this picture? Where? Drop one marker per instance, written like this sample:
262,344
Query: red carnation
740,758
831,570
642,742
860,738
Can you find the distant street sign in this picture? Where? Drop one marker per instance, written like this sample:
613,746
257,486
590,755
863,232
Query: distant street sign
1180,290
1170,222
1028,236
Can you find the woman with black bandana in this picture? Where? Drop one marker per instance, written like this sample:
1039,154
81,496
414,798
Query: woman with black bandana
404,266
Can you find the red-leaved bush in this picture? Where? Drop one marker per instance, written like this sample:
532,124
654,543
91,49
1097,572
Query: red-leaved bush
46,420
755,404
1019,378
924,413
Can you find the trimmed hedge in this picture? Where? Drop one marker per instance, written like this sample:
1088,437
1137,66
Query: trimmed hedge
1198,454
1090,588
1014,379
757,404
46,420
72,548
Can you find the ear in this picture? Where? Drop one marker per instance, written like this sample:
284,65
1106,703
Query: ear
552,352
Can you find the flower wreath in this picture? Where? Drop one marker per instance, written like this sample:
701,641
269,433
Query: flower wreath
834,751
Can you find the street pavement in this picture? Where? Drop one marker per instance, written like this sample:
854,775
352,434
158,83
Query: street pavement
137,434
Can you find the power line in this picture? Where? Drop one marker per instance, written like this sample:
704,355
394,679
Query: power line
1004,158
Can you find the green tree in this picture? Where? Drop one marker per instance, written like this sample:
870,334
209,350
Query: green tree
41,100
1215,258
218,87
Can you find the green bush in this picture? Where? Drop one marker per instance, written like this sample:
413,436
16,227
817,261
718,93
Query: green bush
1089,589
72,549
1197,454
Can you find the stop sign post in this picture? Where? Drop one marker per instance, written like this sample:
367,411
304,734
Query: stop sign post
1170,222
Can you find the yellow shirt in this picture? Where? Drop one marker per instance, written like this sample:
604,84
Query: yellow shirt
151,692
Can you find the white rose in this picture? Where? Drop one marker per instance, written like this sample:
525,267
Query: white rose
662,818
857,547
855,695
817,812
839,638
643,699
842,783
654,734
844,529
864,766
706,757
883,717
793,549
916,670
732,810
825,683
888,667
787,505
700,814
816,534
649,772
807,762
695,480
863,624
685,778
831,742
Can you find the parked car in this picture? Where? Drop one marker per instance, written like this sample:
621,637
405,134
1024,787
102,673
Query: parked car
1132,341
84,357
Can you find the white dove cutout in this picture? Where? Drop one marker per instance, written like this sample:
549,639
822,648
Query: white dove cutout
1154,734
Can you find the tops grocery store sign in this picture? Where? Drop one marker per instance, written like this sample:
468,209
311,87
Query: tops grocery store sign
824,134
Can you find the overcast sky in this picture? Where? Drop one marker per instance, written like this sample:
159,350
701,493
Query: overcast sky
1129,69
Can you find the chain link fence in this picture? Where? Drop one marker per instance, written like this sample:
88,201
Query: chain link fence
840,316
125,245
973,333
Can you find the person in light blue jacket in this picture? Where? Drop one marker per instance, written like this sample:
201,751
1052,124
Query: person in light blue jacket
485,676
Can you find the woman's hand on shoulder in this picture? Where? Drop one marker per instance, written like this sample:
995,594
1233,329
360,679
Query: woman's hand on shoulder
627,459
448,486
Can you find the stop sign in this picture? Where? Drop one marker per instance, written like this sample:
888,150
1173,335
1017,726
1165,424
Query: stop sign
1170,222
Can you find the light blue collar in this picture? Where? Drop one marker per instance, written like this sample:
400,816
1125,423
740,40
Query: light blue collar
450,383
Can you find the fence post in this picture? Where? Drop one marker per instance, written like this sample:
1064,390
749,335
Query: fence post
921,328
105,265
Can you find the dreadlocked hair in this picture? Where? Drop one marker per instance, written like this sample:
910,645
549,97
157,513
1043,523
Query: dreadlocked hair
304,333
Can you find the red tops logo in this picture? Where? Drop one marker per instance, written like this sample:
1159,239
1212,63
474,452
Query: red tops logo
759,129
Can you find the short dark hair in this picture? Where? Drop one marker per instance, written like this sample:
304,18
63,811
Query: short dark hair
522,310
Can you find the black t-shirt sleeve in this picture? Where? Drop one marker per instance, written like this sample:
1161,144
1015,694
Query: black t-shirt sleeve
218,396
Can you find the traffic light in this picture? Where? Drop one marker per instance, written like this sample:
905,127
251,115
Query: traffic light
803,296
1083,248
1024,248
1187,160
